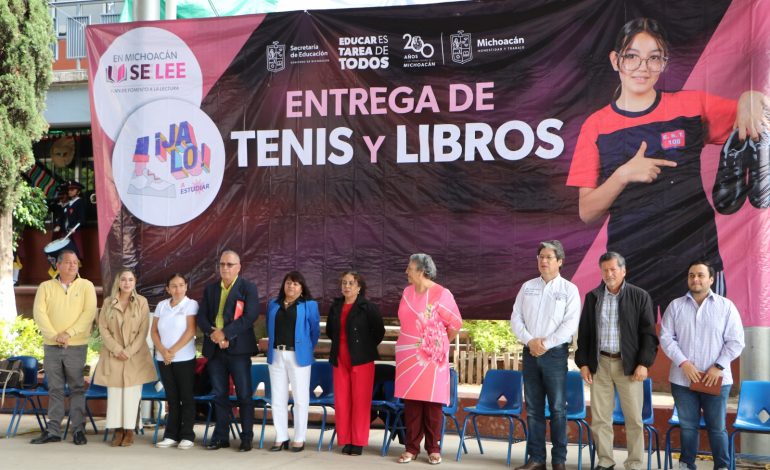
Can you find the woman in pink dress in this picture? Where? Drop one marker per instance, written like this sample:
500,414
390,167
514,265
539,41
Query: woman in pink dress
429,320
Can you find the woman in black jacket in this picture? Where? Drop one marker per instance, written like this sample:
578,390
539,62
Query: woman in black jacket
355,327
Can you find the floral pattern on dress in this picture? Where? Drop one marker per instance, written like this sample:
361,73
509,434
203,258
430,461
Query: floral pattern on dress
422,349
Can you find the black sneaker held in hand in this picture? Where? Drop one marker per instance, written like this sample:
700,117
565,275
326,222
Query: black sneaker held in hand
731,187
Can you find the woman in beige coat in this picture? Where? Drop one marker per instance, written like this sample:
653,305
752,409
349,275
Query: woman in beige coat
125,362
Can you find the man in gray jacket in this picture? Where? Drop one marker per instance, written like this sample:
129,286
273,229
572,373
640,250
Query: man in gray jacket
616,346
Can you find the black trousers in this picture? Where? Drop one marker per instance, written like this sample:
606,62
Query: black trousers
221,367
178,379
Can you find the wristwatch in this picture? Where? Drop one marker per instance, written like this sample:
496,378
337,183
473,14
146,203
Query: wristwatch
718,366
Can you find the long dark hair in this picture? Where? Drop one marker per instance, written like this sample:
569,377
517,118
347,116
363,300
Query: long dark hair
629,31
295,276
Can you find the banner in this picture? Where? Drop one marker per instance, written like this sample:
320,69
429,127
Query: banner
328,140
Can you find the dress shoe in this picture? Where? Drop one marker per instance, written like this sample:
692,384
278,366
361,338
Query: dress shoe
245,446
279,446
216,445
356,450
730,187
759,173
128,438
45,438
297,448
346,449
558,466
532,465
117,438
79,438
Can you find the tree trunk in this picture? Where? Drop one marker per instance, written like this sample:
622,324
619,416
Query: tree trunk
7,296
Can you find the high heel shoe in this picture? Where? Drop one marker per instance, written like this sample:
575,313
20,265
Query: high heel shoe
298,448
280,446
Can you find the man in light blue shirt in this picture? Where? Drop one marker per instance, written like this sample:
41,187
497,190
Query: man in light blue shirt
702,334
545,316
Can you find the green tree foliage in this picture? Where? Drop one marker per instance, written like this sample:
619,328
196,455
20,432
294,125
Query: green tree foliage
29,212
490,335
20,337
26,35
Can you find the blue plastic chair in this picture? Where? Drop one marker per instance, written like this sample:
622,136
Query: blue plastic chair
450,410
384,403
150,393
673,423
29,366
208,400
648,418
497,384
34,399
576,412
260,375
321,392
753,401
95,392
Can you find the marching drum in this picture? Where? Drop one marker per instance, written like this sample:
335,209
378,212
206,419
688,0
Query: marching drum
52,249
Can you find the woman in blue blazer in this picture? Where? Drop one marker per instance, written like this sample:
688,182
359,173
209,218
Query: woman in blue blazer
293,327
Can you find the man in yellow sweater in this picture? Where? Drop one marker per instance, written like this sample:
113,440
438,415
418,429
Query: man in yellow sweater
64,311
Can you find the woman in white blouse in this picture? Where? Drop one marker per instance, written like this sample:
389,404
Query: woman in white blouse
173,333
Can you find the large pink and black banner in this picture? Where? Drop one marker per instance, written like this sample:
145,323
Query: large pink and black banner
329,140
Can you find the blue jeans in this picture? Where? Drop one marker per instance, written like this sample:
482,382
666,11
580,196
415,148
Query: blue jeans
546,376
689,405
220,367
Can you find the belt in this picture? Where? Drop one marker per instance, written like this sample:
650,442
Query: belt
562,345
609,354
283,347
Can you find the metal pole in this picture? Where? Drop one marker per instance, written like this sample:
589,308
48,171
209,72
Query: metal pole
755,365
170,9
147,10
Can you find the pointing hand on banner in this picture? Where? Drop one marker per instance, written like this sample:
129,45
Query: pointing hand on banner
641,169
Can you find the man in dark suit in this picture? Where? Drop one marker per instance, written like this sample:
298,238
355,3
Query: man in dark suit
226,317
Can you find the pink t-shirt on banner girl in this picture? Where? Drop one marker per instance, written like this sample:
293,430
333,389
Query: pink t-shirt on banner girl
422,349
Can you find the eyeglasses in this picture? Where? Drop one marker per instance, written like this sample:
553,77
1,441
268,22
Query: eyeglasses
348,283
631,62
546,257
227,265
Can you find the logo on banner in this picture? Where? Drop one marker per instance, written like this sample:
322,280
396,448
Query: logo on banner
276,57
672,140
116,74
417,52
500,44
168,162
307,54
416,44
461,47
140,66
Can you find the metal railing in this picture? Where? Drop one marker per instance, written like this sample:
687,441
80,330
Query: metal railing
71,18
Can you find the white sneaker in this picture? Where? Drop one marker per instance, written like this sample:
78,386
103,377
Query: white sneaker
185,444
165,443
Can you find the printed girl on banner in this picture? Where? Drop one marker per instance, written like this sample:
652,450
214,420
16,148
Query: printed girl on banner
638,159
